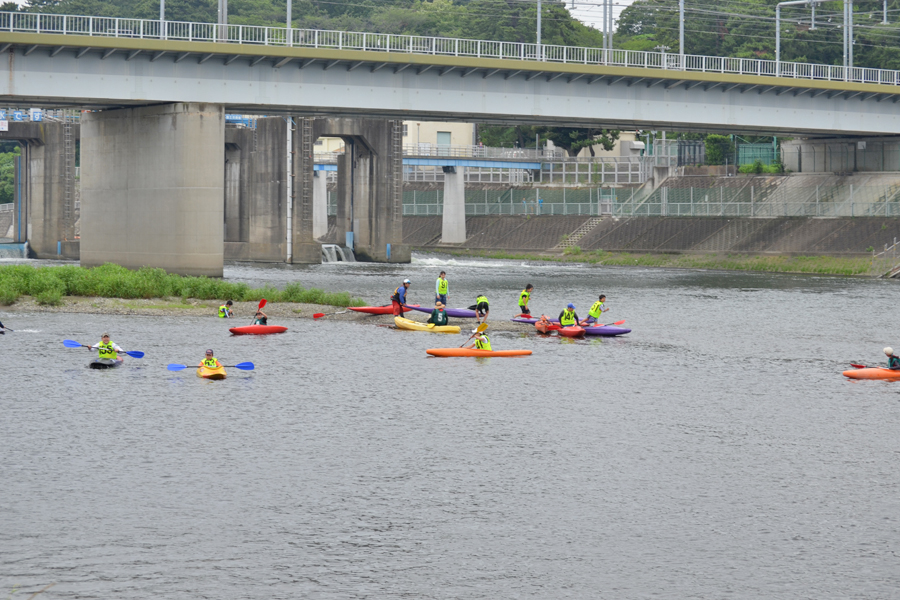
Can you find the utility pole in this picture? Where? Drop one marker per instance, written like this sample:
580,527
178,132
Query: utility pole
681,30
539,52
290,37
162,19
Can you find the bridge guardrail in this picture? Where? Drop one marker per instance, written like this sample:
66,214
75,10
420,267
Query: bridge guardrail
407,44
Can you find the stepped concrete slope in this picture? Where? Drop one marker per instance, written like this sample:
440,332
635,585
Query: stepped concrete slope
794,235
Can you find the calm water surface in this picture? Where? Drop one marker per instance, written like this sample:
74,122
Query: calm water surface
716,451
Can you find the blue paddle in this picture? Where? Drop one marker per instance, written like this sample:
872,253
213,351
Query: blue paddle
244,366
74,344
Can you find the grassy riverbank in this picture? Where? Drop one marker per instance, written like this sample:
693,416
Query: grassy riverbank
49,285
823,265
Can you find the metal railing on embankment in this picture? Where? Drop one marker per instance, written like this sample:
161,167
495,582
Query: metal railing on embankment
887,262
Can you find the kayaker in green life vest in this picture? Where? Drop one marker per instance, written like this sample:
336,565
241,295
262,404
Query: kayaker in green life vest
893,360
438,315
568,316
596,309
225,310
441,289
482,342
261,318
210,362
523,300
481,308
108,350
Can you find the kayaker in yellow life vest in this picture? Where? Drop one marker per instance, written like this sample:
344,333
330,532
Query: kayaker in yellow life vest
596,309
482,342
108,350
441,289
893,360
481,308
210,362
523,300
225,310
568,316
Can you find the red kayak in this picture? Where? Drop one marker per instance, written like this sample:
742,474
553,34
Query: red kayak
571,331
376,310
257,329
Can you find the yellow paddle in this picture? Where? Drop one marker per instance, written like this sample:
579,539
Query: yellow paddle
480,329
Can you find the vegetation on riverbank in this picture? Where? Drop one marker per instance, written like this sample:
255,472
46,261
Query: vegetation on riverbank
823,265
48,286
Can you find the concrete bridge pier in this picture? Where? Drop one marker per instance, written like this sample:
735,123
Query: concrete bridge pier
370,180
453,230
153,188
320,203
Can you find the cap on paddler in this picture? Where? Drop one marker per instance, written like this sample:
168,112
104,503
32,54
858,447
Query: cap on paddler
572,306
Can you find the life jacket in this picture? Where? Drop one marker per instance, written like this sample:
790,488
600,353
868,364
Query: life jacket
894,362
107,351
523,298
223,311
210,363
443,286
567,318
484,343
260,321
396,296
596,309
481,299
440,318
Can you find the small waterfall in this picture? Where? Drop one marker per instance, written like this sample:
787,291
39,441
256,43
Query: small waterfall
14,250
346,254
334,253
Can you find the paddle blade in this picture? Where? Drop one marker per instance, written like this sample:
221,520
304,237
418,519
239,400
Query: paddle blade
135,354
858,366
262,303
176,367
554,327
318,315
244,366
481,327
72,344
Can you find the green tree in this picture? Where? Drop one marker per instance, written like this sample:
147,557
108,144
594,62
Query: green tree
7,175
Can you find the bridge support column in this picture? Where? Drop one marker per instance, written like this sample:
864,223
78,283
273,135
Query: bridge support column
153,188
320,204
370,182
454,222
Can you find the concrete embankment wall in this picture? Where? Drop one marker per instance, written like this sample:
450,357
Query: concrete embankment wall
665,234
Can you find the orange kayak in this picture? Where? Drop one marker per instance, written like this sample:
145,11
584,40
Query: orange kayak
473,352
545,327
572,331
873,373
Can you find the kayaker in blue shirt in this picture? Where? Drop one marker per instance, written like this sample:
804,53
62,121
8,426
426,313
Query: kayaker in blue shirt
398,298
893,359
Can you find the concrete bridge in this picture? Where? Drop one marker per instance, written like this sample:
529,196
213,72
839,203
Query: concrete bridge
152,171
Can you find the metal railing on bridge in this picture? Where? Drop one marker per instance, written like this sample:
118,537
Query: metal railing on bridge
436,46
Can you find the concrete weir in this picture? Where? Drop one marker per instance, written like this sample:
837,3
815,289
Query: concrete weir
153,188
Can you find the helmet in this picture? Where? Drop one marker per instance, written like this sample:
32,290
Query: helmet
572,306
407,281
888,351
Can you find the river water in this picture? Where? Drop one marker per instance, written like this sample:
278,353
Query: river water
716,451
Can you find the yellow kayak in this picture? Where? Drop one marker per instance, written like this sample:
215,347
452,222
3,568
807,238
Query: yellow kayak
416,326
207,373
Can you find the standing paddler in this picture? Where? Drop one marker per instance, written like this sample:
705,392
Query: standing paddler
441,289
398,298
523,300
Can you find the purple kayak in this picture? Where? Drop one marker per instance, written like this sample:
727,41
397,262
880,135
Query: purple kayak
531,321
608,330
459,313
